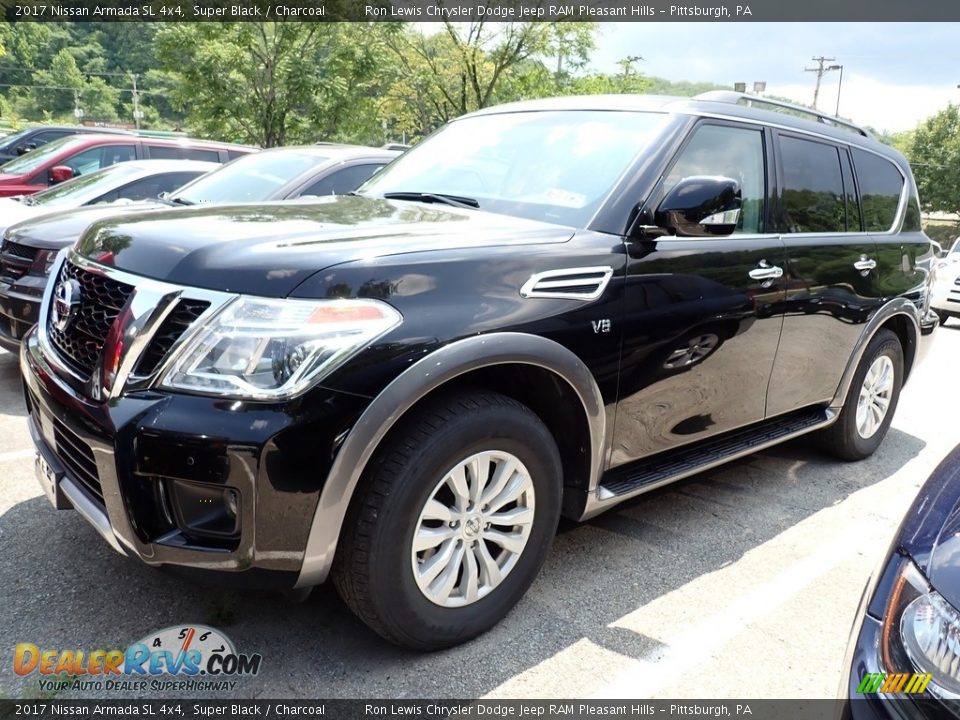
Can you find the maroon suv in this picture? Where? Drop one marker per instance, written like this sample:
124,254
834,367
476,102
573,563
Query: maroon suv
78,155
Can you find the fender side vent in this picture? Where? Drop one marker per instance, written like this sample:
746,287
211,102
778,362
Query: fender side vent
585,283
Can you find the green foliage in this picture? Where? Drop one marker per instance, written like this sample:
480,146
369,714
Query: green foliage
271,83
934,154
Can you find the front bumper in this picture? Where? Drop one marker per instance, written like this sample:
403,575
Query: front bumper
136,467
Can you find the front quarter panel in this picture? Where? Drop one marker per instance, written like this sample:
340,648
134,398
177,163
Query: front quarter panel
450,295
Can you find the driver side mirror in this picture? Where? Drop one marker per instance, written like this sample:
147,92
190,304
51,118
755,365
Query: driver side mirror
24,149
60,173
700,206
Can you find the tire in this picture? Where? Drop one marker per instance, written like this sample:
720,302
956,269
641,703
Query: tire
943,317
856,434
378,572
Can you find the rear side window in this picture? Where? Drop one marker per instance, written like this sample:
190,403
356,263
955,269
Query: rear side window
731,152
342,181
172,152
881,185
812,187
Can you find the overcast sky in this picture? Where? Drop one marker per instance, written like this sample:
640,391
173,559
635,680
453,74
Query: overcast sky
894,74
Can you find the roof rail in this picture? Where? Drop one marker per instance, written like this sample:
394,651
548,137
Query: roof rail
738,98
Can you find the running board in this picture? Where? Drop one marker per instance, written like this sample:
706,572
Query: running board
685,461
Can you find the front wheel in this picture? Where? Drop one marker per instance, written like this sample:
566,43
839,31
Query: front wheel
451,522
871,401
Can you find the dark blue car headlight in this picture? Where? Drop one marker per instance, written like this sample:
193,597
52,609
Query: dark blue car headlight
921,632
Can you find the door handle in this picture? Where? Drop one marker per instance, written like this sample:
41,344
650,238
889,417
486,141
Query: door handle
865,265
766,272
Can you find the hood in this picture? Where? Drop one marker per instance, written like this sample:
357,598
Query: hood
58,229
931,531
11,179
269,249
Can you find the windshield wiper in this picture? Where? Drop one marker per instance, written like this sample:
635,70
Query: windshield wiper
178,201
455,200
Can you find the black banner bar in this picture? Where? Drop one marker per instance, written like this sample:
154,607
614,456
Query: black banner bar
469,709
476,10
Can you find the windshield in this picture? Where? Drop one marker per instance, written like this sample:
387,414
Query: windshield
251,178
555,166
85,188
26,164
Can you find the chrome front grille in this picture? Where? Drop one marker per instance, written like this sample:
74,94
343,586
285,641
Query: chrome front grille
171,329
80,343
86,304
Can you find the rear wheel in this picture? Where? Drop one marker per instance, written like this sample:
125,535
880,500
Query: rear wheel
871,401
451,522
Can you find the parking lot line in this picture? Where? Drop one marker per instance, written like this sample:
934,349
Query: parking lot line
16,455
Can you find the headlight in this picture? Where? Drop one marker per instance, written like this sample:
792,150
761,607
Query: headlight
266,349
921,632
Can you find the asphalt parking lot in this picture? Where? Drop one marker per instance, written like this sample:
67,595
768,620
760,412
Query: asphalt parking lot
740,582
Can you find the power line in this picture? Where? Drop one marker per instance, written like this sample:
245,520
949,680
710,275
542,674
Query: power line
63,87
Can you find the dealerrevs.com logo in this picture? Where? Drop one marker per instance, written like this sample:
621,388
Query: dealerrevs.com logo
201,657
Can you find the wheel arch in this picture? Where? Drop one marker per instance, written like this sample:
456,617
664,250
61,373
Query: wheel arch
530,368
901,317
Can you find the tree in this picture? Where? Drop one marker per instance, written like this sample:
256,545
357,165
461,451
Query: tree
272,83
61,88
934,154
468,66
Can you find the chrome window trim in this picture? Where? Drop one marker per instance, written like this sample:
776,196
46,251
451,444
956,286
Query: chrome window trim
904,194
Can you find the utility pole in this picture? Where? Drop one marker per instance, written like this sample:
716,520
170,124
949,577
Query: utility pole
77,110
136,102
819,70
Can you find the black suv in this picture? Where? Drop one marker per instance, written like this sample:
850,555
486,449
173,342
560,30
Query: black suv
544,309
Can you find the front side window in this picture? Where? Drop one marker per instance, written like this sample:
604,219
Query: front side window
342,181
84,189
97,158
812,187
881,185
556,166
731,152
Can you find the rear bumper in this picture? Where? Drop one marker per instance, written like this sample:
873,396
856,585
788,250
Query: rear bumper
139,467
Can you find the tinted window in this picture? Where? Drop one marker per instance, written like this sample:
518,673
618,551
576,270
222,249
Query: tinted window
880,187
729,152
342,181
44,137
174,152
252,178
151,187
812,187
96,158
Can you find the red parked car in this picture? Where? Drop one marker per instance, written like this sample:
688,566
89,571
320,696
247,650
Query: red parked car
77,155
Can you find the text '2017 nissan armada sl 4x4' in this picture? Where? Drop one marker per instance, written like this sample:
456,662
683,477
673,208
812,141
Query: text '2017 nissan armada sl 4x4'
545,308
